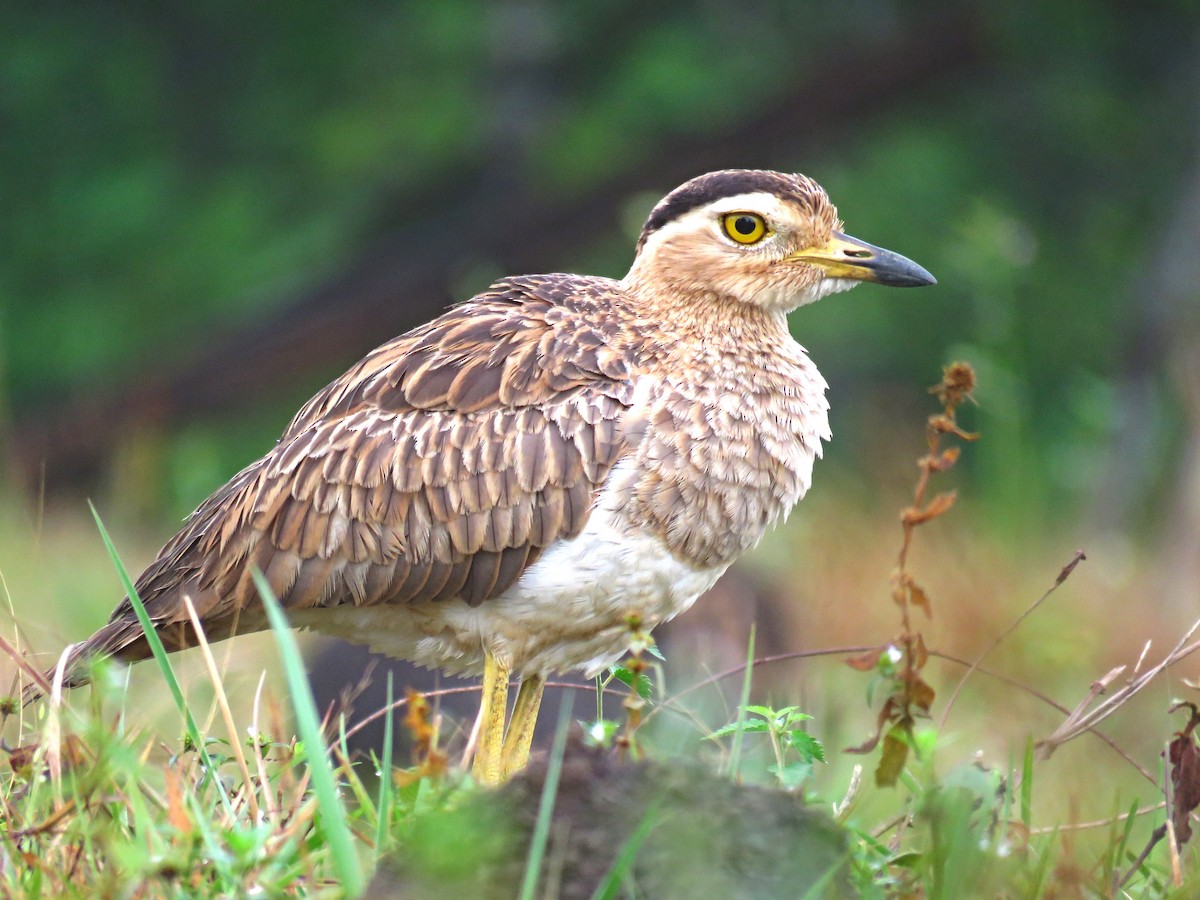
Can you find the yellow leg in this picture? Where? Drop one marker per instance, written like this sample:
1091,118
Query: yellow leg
520,728
488,766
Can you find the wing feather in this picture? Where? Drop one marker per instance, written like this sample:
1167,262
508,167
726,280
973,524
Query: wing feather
439,466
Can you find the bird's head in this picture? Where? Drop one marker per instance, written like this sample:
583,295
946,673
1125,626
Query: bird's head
764,238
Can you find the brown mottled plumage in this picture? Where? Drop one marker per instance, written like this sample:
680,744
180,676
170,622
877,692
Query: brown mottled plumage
508,483
439,466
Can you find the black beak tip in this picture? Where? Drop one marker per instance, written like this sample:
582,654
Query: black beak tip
924,279
902,272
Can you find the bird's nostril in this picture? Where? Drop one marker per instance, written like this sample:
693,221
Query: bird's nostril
858,254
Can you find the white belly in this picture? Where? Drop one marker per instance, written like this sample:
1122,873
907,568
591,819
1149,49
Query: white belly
570,610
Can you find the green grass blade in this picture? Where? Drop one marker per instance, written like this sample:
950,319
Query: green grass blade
615,878
383,810
541,828
1042,866
332,821
1122,845
160,656
824,886
735,752
1027,785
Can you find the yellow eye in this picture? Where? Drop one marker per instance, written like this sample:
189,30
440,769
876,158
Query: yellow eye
745,228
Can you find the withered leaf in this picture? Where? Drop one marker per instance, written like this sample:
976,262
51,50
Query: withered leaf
917,597
886,714
892,760
920,655
866,662
948,458
942,423
1185,778
176,814
21,759
921,695
866,746
934,508
946,425
71,751
958,380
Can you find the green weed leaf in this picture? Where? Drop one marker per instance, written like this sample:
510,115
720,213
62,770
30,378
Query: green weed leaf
639,681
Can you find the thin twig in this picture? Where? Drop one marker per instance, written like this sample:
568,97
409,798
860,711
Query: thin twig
948,657
1158,834
762,661
1049,701
1095,823
1016,623
17,657
1082,718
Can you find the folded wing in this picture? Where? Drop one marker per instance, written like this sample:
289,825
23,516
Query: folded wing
440,466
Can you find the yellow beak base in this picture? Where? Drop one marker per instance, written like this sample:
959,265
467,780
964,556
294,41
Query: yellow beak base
843,256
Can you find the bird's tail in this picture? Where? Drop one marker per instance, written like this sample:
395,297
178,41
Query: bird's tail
121,639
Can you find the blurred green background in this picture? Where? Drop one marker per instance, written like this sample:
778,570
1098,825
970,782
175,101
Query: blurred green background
212,208
192,190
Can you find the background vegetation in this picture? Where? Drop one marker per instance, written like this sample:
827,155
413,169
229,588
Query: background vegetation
212,208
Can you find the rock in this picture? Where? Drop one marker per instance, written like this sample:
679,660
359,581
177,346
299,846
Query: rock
676,831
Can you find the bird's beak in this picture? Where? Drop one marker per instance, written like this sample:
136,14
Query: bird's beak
843,256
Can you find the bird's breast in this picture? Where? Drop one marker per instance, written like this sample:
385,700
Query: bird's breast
727,447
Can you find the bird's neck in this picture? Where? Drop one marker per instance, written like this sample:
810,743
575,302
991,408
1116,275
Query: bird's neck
689,319
735,415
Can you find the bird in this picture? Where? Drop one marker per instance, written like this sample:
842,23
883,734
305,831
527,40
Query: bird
502,491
